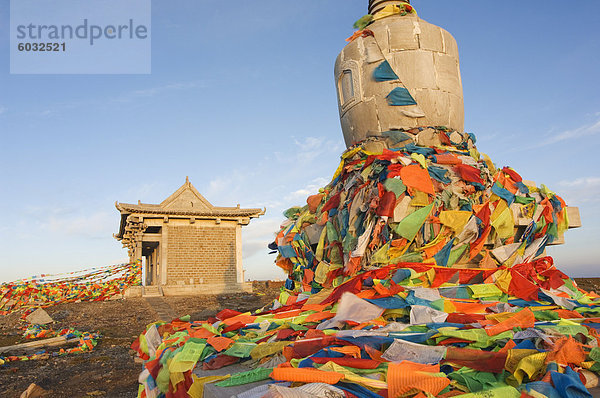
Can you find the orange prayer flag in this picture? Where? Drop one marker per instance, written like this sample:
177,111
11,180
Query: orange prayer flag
433,250
471,308
375,354
567,351
288,314
288,352
201,333
220,343
314,201
508,346
306,375
447,158
352,266
242,318
416,177
364,325
401,242
567,314
367,294
524,318
314,334
314,307
477,246
350,350
404,376
382,290
319,316
285,264
309,275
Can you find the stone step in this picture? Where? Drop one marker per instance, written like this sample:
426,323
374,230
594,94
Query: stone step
151,291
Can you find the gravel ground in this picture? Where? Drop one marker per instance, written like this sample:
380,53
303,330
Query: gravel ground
109,370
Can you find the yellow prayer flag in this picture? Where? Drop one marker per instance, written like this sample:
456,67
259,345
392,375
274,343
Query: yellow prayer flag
455,219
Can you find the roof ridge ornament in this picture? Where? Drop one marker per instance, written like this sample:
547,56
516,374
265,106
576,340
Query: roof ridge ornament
378,5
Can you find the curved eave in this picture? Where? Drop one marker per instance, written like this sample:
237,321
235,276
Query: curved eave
215,212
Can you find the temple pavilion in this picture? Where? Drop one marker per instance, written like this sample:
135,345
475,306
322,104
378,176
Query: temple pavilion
186,245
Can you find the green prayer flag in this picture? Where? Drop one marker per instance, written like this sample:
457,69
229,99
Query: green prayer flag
546,315
242,378
595,354
498,392
474,380
332,234
240,349
567,330
381,256
363,22
395,185
455,254
485,290
190,354
410,225
523,200
162,380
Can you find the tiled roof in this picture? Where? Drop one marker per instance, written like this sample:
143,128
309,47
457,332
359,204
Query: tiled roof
145,208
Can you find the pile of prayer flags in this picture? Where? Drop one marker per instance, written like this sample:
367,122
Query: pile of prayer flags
418,271
424,195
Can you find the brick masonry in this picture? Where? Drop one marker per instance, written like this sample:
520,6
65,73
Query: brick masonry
201,254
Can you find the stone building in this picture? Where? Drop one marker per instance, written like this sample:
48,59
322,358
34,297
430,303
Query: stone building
186,245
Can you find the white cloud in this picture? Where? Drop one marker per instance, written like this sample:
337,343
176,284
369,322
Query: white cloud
218,185
3,109
312,188
257,236
311,148
581,190
584,182
263,226
283,180
583,131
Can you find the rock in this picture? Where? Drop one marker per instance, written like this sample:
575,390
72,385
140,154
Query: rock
39,317
33,391
428,137
96,393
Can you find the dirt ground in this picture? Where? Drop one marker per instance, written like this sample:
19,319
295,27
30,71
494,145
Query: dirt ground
589,284
109,370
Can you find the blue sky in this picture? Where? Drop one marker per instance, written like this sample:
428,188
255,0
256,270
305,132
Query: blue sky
241,98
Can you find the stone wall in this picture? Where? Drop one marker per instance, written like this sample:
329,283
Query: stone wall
201,255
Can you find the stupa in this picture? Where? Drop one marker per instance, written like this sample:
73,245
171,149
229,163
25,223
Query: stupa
412,185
